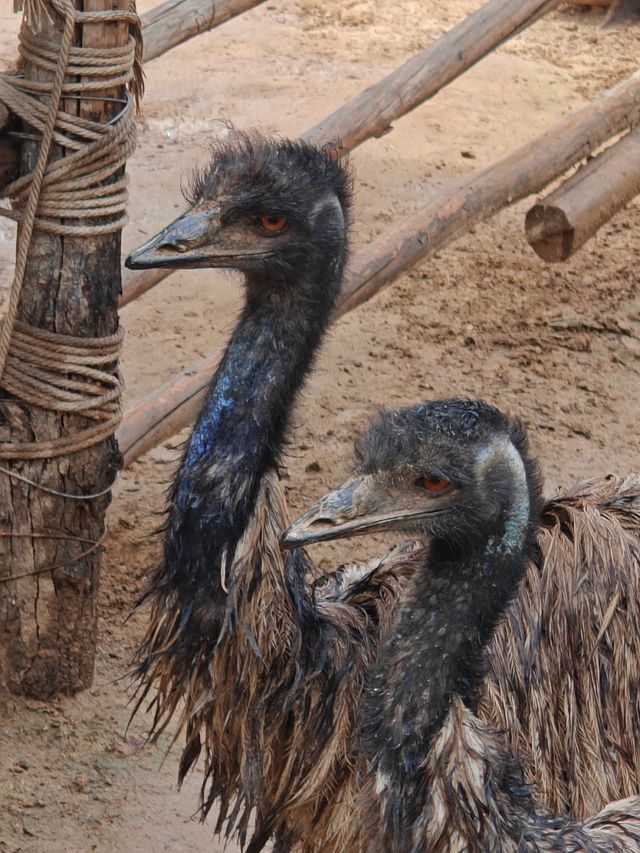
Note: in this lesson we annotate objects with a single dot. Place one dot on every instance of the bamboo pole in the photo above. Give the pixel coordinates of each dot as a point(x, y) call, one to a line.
point(71, 285)
point(449, 215)
point(176, 21)
point(560, 224)
point(371, 112)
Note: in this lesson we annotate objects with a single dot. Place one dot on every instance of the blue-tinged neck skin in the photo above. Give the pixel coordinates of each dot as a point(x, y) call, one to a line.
point(240, 429)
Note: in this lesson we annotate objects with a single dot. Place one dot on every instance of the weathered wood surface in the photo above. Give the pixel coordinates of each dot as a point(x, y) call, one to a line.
point(135, 284)
point(48, 620)
point(526, 170)
point(177, 21)
point(559, 225)
point(9, 150)
point(449, 215)
point(9, 161)
point(370, 113)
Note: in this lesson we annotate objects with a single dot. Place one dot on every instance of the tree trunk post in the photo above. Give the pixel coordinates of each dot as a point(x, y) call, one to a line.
point(49, 543)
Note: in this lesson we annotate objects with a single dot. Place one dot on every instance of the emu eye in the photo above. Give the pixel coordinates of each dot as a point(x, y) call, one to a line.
point(432, 484)
point(272, 223)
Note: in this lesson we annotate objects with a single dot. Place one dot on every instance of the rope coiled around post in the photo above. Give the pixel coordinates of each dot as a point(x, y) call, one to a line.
point(84, 193)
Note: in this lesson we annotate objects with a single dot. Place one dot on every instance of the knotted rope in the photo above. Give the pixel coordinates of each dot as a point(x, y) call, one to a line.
point(76, 195)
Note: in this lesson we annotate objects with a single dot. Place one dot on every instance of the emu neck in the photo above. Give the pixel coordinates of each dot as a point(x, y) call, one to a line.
point(435, 653)
point(240, 430)
point(236, 441)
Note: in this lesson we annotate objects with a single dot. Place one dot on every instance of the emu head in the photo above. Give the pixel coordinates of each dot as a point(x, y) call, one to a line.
point(453, 470)
point(267, 207)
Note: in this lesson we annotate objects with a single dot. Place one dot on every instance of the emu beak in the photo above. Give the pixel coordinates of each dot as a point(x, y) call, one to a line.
point(195, 239)
point(355, 508)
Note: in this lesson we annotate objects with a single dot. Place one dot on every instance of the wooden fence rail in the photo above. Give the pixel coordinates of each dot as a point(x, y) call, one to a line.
point(176, 21)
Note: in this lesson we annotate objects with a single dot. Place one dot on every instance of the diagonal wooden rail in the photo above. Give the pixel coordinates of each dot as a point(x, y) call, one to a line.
point(451, 213)
point(371, 112)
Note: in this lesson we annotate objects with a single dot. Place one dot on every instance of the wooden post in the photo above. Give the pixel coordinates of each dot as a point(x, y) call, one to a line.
point(451, 213)
point(48, 618)
point(560, 224)
point(164, 27)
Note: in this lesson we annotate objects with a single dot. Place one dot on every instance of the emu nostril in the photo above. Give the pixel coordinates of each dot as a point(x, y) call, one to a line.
point(321, 521)
point(176, 246)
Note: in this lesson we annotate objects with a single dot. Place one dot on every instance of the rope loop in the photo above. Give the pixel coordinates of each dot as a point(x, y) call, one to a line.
point(83, 193)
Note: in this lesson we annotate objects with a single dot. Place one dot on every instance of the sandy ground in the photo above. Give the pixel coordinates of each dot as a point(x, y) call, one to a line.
point(558, 345)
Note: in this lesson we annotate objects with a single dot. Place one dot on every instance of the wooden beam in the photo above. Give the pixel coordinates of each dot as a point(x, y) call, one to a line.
point(560, 224)
point(525, 171)
point(165, 411)
point(71, 286)
point(370, 113)
point(449, 215)
point(135, 284)
point(176, 21)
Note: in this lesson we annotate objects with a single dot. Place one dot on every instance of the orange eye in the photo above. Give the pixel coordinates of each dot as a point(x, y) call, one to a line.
point(432, 484)
point(273, 223)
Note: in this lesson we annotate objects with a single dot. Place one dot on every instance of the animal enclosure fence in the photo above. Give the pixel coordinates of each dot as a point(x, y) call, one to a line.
point(451, 213)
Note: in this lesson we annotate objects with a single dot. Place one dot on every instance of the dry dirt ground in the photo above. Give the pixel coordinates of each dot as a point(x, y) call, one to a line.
point(558, 345)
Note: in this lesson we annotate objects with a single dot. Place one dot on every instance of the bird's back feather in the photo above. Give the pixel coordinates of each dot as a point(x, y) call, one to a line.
point(563, 666)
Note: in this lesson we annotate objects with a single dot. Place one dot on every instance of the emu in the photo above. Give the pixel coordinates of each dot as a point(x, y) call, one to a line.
point(458, 474)
point(262, 667)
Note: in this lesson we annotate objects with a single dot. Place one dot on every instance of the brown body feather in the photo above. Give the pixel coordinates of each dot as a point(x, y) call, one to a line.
point(433, 776)
point(471, 810)
point(299, 757)
point(562, 680)
point(564, 665)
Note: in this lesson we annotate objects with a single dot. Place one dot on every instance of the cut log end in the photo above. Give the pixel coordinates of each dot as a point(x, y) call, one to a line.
point(562, 223)
point(549, 233)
